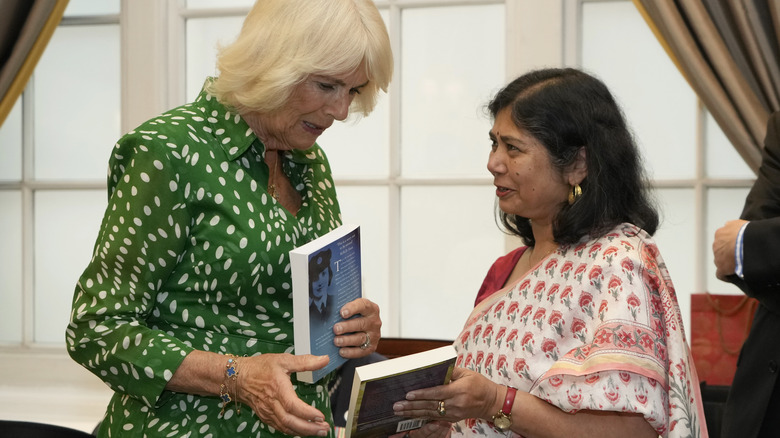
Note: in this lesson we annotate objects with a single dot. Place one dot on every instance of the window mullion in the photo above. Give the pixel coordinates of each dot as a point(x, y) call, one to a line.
point(28, 216)
point(145, 60)
point(176, 43)
point(394, 190)
point(701, 190)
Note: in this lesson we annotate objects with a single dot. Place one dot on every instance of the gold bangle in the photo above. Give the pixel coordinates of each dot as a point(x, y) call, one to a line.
point(231, 382)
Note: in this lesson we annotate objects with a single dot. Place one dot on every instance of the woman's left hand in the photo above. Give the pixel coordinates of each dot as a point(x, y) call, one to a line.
point(468, 395)
point(359, 336)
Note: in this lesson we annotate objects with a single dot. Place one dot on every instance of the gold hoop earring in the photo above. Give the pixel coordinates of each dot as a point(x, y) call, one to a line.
point(575, 194)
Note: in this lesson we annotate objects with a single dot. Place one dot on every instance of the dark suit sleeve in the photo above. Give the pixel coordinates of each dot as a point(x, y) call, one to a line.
point(762, 236)
point(763, 201)
point(762, 261)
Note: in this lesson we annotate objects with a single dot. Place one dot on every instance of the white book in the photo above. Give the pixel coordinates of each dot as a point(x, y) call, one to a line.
point(326, 274)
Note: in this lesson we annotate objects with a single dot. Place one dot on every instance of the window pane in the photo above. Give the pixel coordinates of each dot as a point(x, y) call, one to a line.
point(360, 147)
point(204, 36)
point(722, 205)
point(369, 208)
point(77, 103)
point(676, 238)
point(619, 47)
point(66, 226)
point(723, 161)
point(452, 61)
point(91, 7)
point(11, 145)
point(195, 4)
point(447, 247)
point(11, 267)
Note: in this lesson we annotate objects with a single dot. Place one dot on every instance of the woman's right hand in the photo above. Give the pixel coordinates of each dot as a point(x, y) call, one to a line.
point(265, 386)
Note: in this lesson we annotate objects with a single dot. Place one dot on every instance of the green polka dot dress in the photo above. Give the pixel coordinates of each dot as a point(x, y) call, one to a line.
point(193, 254)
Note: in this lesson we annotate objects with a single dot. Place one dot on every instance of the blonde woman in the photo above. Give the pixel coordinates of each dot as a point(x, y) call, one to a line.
point(185, 309)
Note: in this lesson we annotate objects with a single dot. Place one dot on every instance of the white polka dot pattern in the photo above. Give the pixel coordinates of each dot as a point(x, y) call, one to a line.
point(192, 254)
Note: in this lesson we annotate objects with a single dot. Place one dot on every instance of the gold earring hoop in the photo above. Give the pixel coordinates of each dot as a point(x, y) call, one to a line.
point(575, 194)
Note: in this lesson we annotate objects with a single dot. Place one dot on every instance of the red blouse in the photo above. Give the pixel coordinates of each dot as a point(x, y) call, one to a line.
point(499, 273)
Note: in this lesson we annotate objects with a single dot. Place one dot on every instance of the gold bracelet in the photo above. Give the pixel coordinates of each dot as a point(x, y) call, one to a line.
point(231, 382)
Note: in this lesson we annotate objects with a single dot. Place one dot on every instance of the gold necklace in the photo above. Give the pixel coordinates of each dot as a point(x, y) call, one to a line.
point(271, 184)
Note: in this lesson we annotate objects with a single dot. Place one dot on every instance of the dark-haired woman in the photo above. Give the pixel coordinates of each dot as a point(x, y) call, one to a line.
point(577, 333)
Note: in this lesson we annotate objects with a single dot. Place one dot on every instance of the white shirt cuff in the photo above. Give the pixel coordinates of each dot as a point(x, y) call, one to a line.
point(739, 253)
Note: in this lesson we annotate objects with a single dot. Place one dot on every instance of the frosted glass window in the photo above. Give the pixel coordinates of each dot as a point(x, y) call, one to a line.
point(11, 145)
point(723, 205)
point(200, 4)
point(676, 239)
point(619, 48)
point(77, 103)
point(369, 208)
point(204, 36)
point(452, 62)
point(11, 267)
point(91, 7)
point(449, 240)
point(66, 226)
point(360, 147)
point(723, 161)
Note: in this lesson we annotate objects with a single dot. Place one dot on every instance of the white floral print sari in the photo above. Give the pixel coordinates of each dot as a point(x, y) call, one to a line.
point(593, 326)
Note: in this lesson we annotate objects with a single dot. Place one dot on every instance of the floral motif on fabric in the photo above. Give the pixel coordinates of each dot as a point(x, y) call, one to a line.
point(594, 326)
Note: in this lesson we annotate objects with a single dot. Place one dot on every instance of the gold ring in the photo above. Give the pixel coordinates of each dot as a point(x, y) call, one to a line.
point(441, 409)
point(366, 344)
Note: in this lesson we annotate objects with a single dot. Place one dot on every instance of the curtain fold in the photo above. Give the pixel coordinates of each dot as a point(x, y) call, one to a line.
point(729, 52)
point(26, 26)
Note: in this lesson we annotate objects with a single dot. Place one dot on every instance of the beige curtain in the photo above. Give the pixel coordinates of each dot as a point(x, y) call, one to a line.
point(25, 28)
point(728, 52)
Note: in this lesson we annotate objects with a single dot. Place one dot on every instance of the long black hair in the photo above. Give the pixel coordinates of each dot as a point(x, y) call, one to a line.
point(565, 110)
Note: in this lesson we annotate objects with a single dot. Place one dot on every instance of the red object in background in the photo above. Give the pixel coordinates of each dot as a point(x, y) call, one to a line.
point(719, 326)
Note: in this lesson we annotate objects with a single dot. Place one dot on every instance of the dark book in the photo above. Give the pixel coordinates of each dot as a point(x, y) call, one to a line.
point(326, 274)
point(377, 386)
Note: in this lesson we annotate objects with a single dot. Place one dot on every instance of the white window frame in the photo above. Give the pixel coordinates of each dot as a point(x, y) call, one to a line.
point(538, 33)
